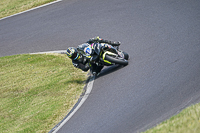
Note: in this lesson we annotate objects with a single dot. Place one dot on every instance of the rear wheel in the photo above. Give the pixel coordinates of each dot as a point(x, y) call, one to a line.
point(116, 60)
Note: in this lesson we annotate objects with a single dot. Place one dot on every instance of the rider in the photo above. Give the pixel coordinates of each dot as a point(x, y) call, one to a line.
point(84, 63)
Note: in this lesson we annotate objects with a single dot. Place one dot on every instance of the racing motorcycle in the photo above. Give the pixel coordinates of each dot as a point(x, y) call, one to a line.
point(103, 54)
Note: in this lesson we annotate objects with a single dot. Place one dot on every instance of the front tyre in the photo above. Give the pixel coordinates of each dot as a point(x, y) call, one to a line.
point(116, 60)
point(126, 56)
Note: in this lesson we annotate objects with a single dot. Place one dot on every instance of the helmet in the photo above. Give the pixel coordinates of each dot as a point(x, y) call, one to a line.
point(73, 53)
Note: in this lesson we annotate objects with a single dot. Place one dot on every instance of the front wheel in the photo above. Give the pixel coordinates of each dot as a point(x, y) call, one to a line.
point(116, 60)
point(126, 56)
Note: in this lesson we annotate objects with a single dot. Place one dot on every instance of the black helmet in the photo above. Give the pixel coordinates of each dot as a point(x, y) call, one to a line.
point(73, 53)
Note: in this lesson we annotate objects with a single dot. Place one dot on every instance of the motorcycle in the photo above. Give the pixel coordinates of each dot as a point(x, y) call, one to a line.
point(103, 54)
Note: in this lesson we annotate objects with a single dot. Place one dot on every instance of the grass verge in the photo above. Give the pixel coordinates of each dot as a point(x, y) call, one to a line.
point(10, 7)
point(37, 91)
point(187, 121)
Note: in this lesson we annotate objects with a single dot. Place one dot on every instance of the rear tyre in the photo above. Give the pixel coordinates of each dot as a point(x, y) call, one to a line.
point(116, 60)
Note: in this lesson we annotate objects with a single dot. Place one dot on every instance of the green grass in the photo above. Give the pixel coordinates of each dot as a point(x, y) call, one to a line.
point(10, 7)
point(187, 121)
point(37, 91)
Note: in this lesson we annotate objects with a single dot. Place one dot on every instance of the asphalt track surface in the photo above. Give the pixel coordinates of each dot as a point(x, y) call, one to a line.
point(161, 37)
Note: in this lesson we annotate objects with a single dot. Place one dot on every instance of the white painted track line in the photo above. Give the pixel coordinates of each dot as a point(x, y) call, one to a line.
point(88, 90)
point(58, 51)
point(32, 9)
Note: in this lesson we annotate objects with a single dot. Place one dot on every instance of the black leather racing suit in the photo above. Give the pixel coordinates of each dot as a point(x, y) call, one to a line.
point(84, 64)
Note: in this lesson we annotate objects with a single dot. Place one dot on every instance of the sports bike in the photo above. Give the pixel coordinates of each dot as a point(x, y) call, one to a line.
point(103, 54)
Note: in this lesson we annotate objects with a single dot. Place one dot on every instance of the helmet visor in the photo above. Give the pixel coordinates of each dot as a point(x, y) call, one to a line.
point(75, 56)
